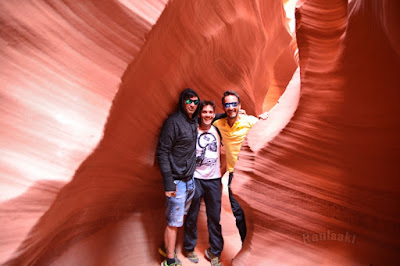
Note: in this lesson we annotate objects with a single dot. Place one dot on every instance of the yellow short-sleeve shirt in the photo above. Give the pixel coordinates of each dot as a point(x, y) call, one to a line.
point(232, 137)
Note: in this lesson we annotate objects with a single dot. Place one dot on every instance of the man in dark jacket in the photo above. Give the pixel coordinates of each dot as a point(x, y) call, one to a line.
point(176, 156)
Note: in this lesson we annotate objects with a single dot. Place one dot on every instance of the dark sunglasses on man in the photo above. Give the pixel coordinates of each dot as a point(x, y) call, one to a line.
point(189, 101)
point(233, 104)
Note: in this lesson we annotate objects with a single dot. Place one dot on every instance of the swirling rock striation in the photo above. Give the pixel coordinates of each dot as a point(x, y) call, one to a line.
point(324, 191)
point(210, 46)
point(62, 63)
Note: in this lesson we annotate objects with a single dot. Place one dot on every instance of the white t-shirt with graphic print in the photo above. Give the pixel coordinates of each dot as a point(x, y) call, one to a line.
point(207, 154)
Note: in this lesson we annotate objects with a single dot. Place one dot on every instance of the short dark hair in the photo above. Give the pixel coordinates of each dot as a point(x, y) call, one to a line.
point(227, 93)
point(205, 103)
point(188, 93)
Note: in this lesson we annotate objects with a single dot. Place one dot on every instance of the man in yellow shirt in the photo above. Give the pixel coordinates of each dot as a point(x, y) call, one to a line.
point(234, 128)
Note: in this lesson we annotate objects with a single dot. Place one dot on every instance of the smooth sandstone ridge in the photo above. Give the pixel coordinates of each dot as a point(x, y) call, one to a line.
point(86, 86)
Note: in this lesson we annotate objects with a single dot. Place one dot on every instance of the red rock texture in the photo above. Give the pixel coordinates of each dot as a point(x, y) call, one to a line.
point(334, 167)
point(324, 163)
point(62, 63)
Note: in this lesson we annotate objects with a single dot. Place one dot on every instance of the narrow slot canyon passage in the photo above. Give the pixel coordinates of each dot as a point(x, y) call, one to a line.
point(87, 85)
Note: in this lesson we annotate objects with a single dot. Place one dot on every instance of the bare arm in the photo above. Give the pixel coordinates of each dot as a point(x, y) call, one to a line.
point(170, 194)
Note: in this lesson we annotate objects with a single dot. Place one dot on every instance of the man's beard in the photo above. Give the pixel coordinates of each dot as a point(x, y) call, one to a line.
point(235, 114)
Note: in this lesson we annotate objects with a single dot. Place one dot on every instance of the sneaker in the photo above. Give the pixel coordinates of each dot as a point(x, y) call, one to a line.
point(163, 252)
point(215, 260)
point(192, 256)
point(176, 263)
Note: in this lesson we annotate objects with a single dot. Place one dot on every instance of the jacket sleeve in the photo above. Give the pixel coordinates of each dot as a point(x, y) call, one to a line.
point(165, 144)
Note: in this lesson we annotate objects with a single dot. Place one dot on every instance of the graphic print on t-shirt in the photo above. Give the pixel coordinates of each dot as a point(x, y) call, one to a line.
point(207, 142)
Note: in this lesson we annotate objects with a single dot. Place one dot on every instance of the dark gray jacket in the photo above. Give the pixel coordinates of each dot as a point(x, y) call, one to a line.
point(176, 152)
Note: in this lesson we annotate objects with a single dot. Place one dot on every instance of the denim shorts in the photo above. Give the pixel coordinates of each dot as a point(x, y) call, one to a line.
point(177, 207)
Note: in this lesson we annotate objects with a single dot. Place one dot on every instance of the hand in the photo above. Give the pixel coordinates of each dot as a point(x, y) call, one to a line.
point(263, 116)
point(170, 194)
point(242, 112)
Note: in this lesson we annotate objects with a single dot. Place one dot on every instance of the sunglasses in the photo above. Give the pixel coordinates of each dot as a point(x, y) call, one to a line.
point(233, 104)
point(189, 101)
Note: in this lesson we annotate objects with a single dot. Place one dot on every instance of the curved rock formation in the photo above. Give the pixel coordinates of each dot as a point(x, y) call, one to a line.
point(210, 46)
point(321, 191)
point(325, 191)
point(62, 63)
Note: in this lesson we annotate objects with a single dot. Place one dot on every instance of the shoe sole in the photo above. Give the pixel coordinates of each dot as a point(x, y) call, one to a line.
point(209, 257)
point(164, 255)
point(193, 260)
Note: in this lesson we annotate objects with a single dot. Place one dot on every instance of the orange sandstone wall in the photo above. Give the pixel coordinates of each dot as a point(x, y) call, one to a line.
point(76, 191)
point(116, 191)
point(61, 65)
point(325, 191)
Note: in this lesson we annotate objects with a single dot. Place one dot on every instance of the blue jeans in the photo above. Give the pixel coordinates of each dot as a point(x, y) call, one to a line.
point(177, 207)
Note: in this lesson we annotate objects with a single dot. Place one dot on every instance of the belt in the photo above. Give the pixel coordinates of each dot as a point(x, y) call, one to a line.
point(186, 179)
